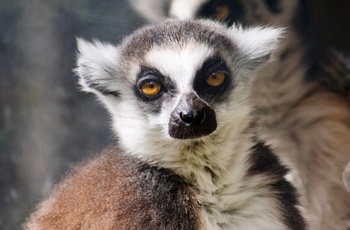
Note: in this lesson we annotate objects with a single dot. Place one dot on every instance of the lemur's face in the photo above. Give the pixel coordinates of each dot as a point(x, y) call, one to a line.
point(174, 82)
point(182, 87)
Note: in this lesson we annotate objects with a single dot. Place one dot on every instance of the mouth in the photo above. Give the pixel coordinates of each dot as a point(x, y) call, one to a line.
point(189, 132)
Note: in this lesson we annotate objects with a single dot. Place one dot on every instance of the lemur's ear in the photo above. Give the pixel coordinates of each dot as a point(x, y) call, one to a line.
point(96, 67)
point(256, 44)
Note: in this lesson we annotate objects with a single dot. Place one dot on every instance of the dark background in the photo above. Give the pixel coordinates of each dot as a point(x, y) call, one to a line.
point(46, 124)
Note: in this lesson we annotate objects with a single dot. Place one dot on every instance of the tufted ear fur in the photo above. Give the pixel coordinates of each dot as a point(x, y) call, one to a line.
point(255, 44)
point(96, 67)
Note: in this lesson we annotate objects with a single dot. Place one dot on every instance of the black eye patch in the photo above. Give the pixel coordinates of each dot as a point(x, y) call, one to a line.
point(151, 76)
point(209, 92)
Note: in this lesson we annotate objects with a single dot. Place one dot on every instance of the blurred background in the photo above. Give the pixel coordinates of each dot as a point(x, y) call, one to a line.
point(46, 124)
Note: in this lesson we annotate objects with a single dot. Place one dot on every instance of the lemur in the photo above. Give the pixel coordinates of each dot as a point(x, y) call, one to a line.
point(302, 113)
point(178, 94)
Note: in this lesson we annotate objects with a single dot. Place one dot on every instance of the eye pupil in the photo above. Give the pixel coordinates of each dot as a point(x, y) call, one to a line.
point(216, 79)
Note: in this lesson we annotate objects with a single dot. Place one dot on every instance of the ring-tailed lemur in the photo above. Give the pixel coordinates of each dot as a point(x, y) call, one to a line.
point(178, 93)
point(300, 112)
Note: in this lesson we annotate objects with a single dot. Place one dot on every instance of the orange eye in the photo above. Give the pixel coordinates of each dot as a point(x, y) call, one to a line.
point(221, 12)
point(215, 79)
point(150, 88)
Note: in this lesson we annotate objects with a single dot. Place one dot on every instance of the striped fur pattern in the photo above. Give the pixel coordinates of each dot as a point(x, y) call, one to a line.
point(159, 179)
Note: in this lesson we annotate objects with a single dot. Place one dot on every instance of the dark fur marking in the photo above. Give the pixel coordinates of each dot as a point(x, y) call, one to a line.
point(273, 6)
point(153, 104)
point(236, 11)
point(263, 161)
point(152, 74)
point(169, 198)
point(207, 92)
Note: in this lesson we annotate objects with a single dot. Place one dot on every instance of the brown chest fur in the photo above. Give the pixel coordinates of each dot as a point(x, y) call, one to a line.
point(117, 192)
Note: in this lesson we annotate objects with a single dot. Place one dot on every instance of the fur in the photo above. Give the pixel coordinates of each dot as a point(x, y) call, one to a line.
point(224, 180)
point(346, 177)
point(114, 191)
point(306, 122)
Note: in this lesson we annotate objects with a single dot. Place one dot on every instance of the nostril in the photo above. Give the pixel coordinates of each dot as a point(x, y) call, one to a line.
point(187, 117)
point(193, 117)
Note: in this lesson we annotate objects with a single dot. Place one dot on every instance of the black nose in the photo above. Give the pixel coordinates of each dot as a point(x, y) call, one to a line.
point(193, 117)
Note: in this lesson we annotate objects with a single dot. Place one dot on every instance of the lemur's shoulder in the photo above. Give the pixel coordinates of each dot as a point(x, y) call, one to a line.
point(117, 192)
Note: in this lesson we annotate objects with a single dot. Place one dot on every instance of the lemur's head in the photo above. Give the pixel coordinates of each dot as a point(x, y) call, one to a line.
point(177, 82)
point(248, 12)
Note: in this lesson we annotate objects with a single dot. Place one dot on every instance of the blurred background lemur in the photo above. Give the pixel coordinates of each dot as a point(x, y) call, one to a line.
point(301, 100)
